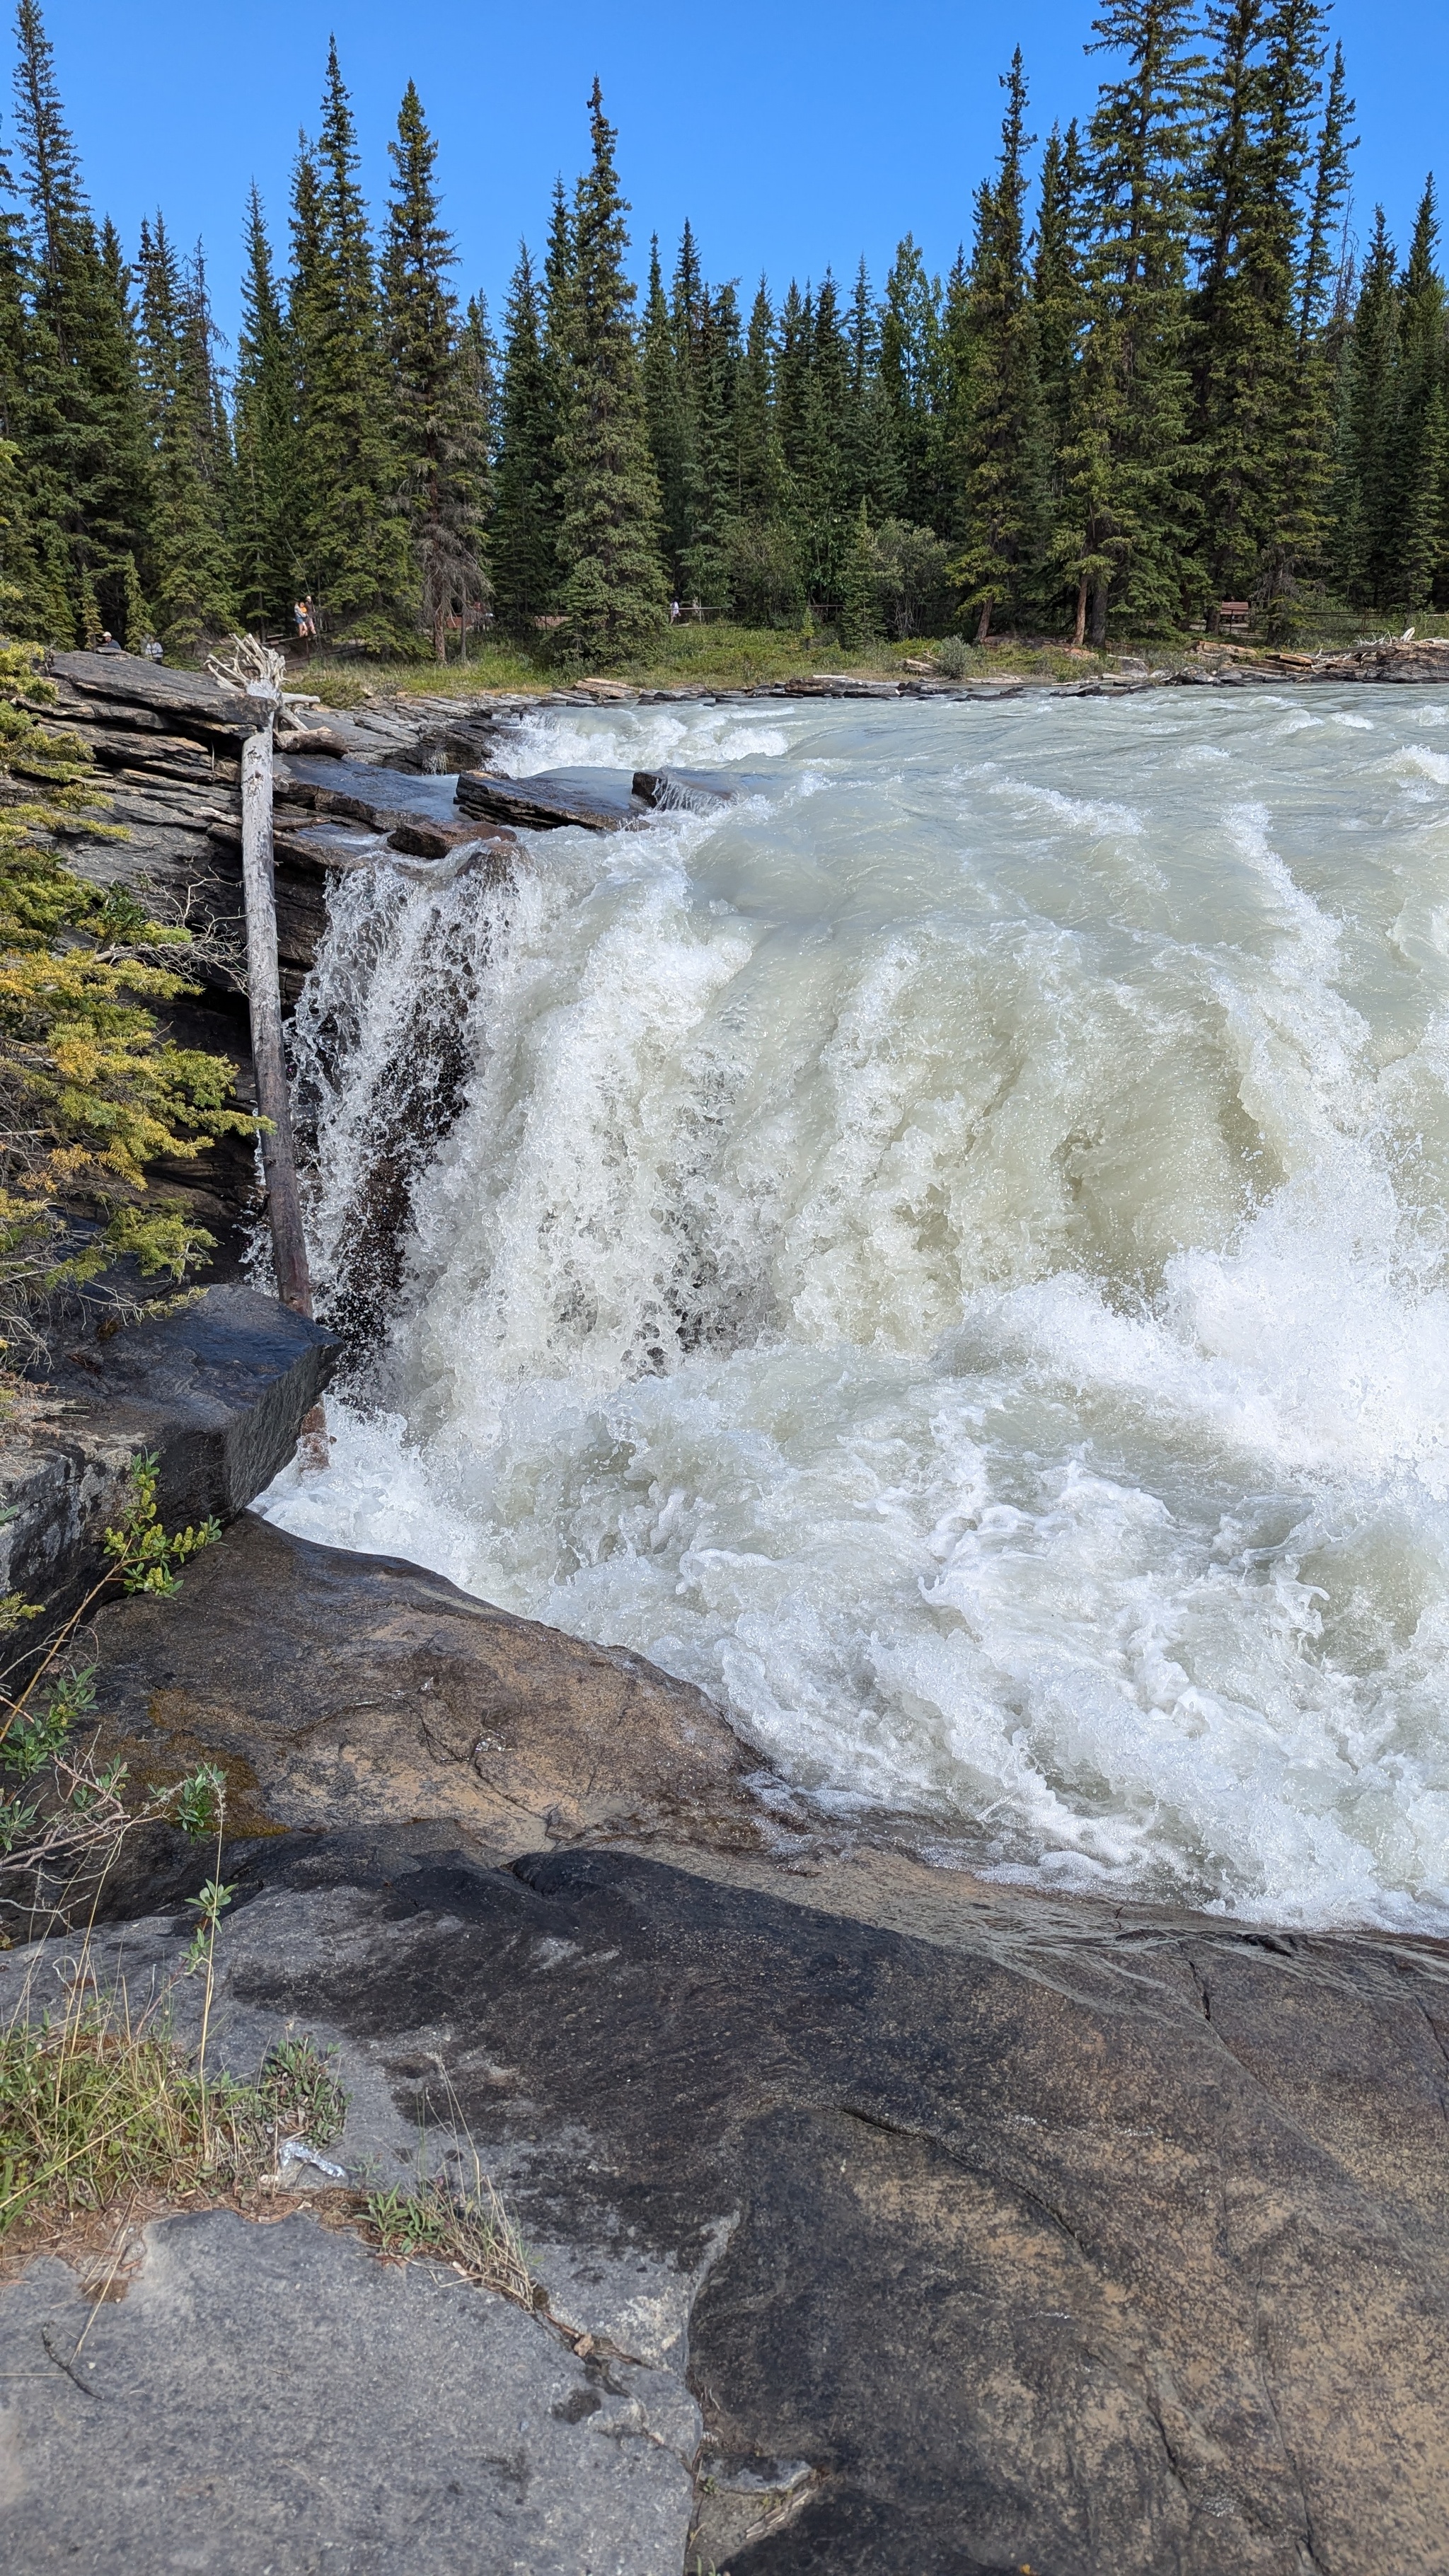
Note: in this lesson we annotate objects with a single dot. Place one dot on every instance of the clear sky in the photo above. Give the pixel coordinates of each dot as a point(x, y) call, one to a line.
point(795, 134)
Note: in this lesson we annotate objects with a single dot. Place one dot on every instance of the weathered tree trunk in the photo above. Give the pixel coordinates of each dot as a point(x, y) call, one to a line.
point(264, 994)
point(1079, 632)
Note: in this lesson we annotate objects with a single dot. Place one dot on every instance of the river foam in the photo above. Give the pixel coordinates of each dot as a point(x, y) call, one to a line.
point(949, 1253)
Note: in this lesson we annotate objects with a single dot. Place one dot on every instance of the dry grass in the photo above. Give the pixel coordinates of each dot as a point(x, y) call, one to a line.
point(105, 2117)
point(471, 2231)
point(97, 2107)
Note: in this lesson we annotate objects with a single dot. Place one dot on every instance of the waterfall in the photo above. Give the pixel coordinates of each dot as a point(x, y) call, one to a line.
point(947, 1251)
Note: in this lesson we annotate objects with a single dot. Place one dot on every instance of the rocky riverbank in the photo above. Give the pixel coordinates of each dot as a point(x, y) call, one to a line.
point(886, 2219)
point(883, 2219)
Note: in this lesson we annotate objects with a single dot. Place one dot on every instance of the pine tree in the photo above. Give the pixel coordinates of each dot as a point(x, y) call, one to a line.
point(524, 535)
point(1126, 511)
point(871, 465)
point(192, 577)
point(1006, 500)
point(857, 586)
point(354, 537)
point(83, 427)
point(667, 438)
point(706, 567)
point(1056, 280)
point(34, 566)
point(264, 543)
point(614, 592)
point(1307, 439)
point(1418, 467)
point(1366, 487)
point(1244, 356)
point(439, 434)
point(911, 374)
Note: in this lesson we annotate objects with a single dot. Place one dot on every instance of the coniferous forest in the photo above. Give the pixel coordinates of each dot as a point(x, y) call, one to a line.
point(1164, 371)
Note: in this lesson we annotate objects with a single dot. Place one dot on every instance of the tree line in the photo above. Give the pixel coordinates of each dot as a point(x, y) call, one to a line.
point(1158, 378)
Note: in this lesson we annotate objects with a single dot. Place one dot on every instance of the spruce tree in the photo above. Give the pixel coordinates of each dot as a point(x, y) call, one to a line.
point(822, 487)
point(1006, 498)
point(1308, 443)
point(354, 538)
point(667, 441)
point(83, 427)
point(911, 374)
point(192, 562)
point(857, 584)
point(953, 401)
point(766, 583)
point(760, 455)
point(440, 433)
point(688, 313)
point(264, 545)
point(706, 566)
point(34, 564)
point(1418, 472)
point(523, 543)
point(1366, 490)
point(1126, 508)
point(1257, 99)
point(614, 592)
point(1056, 279)
point(870, 463)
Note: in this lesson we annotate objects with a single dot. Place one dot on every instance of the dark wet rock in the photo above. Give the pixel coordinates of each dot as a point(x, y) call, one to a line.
point(1101, 2242)
point(697, 790)
point(597, 800)
point(1123, 2251)
point(429, 840)
point(360, 1690)
point(369, 794)
point(218, 1391)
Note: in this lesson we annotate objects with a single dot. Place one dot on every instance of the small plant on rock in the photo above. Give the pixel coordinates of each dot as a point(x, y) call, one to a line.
point(63, 1815)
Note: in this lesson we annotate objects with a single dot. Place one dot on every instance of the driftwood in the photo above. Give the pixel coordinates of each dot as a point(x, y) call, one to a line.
point(257, 672)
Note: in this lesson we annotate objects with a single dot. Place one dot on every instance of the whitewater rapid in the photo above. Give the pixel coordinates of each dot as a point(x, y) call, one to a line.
point(948, 1252)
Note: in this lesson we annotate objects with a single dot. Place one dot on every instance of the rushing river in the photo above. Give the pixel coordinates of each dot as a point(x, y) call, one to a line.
point(951, 1253)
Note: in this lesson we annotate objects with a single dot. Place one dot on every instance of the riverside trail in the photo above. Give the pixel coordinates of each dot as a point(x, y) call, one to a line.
point(947, 1252)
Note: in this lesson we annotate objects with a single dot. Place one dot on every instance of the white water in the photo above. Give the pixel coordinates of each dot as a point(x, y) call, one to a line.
point(950, 1254)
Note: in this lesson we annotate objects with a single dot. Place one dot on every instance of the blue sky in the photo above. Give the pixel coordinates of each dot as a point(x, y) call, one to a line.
point(793, 136)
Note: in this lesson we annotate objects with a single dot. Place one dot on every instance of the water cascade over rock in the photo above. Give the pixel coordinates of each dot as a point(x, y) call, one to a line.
point(945, 1251)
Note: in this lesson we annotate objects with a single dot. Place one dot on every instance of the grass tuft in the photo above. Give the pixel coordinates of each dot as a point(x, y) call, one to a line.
point(472, 2231)
point(94, 2107)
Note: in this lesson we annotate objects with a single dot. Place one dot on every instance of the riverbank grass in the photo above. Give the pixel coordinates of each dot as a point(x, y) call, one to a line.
point(688, 656)
point(721, 656)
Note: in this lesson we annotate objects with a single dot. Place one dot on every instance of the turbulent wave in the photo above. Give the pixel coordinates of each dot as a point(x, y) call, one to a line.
point(949, 1252)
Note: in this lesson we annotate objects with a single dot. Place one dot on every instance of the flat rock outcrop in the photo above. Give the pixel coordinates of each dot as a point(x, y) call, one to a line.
point(359, 1690)
point(1100, 2243)
point(368, 2418)
point(217, 1390)
point(698, 790)
point(594, 800)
